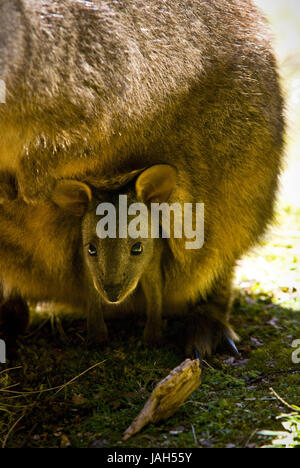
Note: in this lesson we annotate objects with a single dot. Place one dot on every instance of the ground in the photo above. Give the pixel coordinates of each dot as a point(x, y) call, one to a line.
point(52, 396)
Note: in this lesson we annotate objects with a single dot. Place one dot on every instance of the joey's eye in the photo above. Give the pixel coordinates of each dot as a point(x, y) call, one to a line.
point(137, 249)
point(93, 251)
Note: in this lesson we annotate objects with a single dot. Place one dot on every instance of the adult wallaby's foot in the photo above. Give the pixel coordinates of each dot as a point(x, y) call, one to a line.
point(208, 324)
point(14, 320)
point(14, 317)
point(205, 334)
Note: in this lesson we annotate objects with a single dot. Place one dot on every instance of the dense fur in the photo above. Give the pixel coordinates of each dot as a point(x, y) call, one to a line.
point(105, 86)
point(99, 88)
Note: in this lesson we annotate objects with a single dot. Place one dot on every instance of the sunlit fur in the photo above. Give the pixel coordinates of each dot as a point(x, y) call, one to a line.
point(106, 86)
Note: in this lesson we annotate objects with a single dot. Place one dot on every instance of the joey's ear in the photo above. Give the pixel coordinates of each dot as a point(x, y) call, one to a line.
point(72, 196)
point(156, 183)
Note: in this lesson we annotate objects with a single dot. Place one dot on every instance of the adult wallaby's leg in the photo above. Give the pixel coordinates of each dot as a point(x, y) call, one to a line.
point(208, 323)
point(14, 317)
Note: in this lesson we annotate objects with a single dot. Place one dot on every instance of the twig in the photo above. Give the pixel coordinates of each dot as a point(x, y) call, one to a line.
point(250, 438)
point(11, 430)
point(271, 373)
point(36, 330)
point(5, 410)
point(28, 436)
point(80, 375)
point(285, 403)
point(58, 388)
point(208, 365)
point(11, 386)
point(194, 434)
point(12, 368)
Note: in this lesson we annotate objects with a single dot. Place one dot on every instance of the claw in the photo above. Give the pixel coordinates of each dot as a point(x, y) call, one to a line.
point(198, 355)
point(232, 347)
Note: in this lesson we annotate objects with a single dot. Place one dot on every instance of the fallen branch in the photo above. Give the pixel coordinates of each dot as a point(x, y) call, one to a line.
point(168, 396)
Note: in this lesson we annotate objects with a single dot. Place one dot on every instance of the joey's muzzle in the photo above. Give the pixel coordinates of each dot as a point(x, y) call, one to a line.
point(113, 292)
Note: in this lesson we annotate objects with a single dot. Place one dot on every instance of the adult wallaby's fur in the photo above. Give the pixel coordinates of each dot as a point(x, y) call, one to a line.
point(109, 86)
point(99, 88)
point(41, 257)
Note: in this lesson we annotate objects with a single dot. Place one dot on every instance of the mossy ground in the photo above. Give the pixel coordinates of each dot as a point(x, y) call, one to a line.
point(233, 404)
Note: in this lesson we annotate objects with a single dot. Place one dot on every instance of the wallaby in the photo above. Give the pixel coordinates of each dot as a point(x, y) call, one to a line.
point(98, 89)
point(103, 87)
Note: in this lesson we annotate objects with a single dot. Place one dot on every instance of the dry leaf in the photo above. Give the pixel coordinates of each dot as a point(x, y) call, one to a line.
point(79, 400)
point(65, 442)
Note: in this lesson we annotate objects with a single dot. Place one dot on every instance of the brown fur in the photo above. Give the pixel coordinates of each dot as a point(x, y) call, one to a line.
point(95, 92)
point(41, 257)
point(102, 87)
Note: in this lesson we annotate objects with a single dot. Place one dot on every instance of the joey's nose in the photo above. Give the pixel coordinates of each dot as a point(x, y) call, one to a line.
point(113, 292)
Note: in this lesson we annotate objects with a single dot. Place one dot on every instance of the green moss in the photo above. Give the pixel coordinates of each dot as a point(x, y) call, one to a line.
point(232, 405)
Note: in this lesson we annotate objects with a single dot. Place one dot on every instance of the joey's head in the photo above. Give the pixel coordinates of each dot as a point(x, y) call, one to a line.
point(116, 234)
